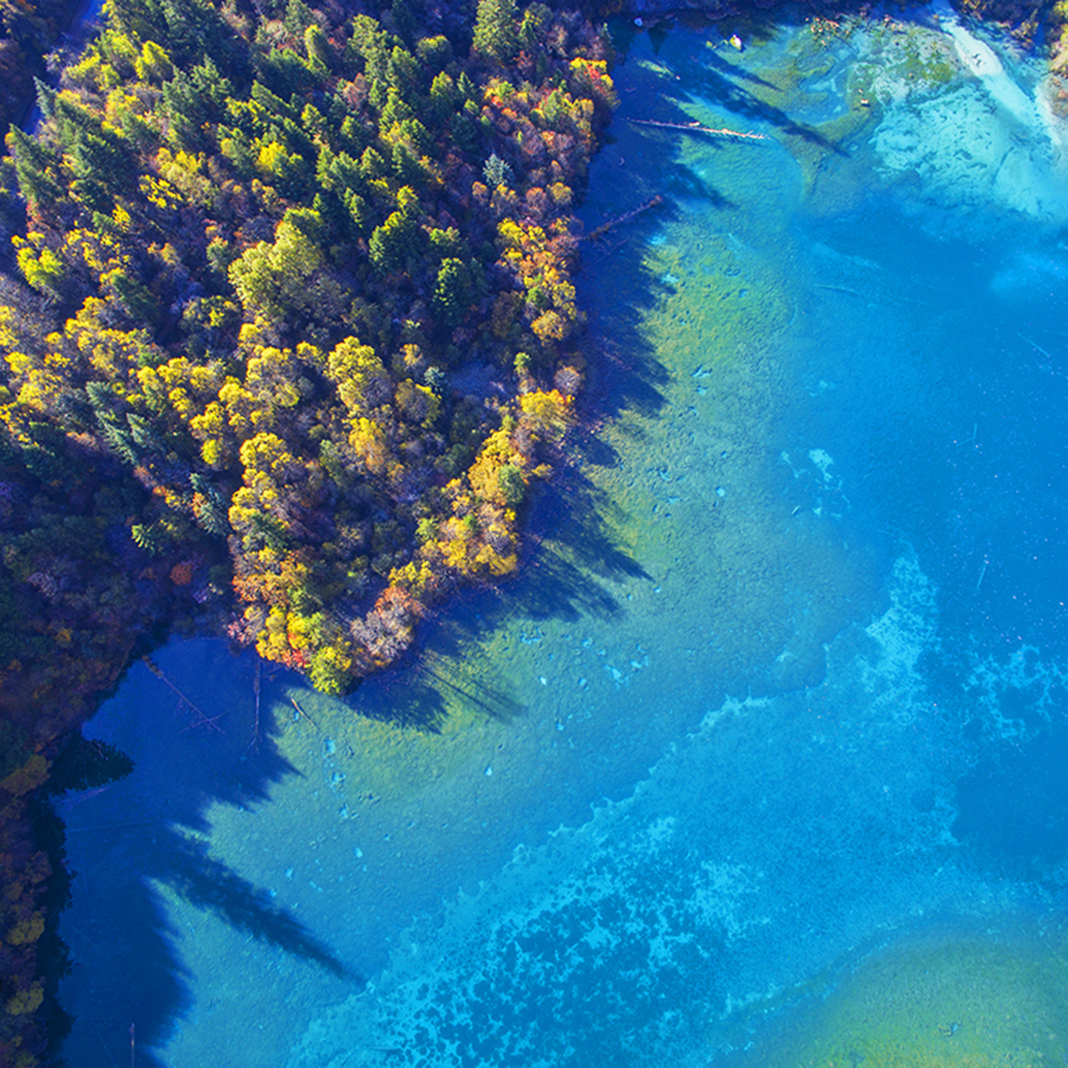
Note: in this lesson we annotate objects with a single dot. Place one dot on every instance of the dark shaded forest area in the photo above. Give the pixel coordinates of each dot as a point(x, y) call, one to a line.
point(29, 34)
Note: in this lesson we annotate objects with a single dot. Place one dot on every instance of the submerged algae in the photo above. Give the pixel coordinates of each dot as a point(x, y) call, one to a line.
point(946, 999)
point(903, 59)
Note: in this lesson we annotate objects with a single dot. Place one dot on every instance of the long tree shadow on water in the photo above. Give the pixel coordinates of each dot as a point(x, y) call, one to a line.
point(208, 884)
point(710, 75)
point(719, 87)
point(572, 568)
point(567, 573)
point(142, 874)
point(640, 163)
point(631, 201)
point(416, 692)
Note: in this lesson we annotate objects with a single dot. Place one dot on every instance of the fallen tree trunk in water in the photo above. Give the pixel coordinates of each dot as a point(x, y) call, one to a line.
point(696, 127)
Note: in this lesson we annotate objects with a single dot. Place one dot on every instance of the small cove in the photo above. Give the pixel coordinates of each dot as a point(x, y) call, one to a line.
point(705, 757)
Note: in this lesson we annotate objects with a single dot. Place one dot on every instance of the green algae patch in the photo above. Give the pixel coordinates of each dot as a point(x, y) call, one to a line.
point(903, 60)
point(977, 1001)
point(830, 173)
point(831, 86)
point(398, 756)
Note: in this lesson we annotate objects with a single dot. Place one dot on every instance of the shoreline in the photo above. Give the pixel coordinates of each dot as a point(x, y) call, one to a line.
point(445, 608)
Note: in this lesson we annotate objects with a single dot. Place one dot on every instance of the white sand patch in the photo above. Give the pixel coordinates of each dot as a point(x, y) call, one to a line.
point(903, 633)
point(979, 58)
point(991, 141)
point(822, 459)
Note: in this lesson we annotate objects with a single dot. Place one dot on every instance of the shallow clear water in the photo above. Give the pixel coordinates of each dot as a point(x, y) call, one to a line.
point(762, 760)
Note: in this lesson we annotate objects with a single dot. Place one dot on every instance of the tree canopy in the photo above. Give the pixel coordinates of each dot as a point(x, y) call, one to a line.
point(260, 347)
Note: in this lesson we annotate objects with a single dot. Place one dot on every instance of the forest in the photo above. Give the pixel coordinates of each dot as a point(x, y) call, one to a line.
point(288, 330)
point(293, 338)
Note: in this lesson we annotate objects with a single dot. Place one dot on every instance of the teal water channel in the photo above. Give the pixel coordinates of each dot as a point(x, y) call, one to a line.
point(763, 759)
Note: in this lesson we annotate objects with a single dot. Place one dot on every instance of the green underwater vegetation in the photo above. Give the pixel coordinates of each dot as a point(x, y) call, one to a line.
point(941, 999)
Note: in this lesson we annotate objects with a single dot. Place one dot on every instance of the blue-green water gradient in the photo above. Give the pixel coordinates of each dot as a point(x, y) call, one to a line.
point(762, 758)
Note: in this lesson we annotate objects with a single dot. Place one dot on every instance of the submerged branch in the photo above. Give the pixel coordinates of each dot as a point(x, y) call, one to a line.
point(696, 127)
point(209, 721)
point(603, 229)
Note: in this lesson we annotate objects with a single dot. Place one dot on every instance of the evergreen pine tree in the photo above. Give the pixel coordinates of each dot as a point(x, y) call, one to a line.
point(495, 30)
point(31, 168)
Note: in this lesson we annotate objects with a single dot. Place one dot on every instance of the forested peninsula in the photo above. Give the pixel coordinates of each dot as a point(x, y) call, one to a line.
point(288, 331)
point(294, 334)
point(289, 334)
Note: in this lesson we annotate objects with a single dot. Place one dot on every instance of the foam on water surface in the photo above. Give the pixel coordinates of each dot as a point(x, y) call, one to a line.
point(726, 745)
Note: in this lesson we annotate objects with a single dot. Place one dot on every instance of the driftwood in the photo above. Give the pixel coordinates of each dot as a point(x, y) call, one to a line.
point(625, 217)
point(839, 289)
point(209, 721)
point(696, 127)
point(303, 713)
point(254, 741)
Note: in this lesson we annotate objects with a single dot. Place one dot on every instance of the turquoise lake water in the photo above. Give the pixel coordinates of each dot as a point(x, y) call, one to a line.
point(763, 760)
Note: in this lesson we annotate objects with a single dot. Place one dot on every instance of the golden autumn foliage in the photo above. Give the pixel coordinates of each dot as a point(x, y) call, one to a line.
point(26, 931)
point(264, 262)
point(260, 271)
point(26, 1000)
point(547, 413)
point(27, 777)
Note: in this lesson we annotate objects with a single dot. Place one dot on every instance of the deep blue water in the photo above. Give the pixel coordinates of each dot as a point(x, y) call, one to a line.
point(764, 758)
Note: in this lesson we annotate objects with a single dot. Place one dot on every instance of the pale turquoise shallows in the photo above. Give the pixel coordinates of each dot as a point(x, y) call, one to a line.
point(762, 759)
